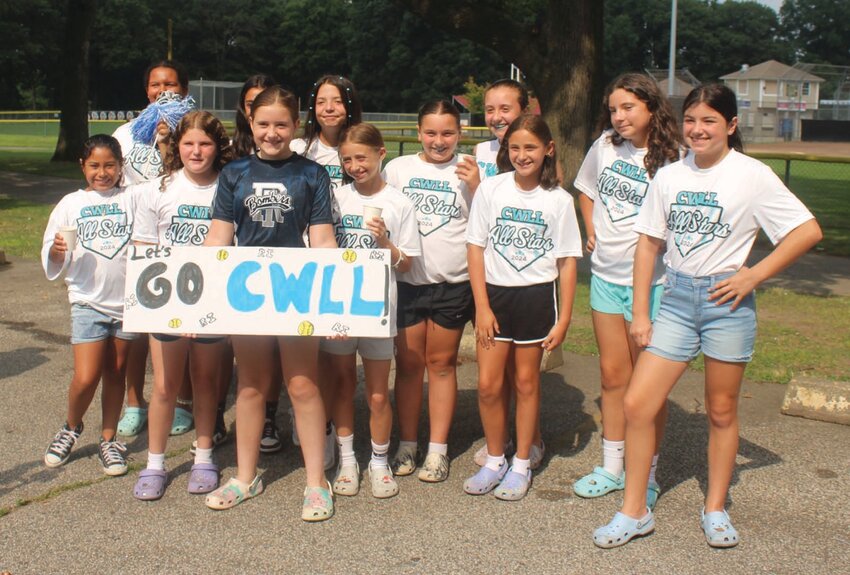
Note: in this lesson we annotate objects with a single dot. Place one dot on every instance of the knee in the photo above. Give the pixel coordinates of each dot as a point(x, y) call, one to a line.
point(635, 411)
point(526, 387)
point(442, 364)
point(722, 414)
point(613, 378)
point(302, 389)
point(378, 401)
point(490, 391)
point(408, 362)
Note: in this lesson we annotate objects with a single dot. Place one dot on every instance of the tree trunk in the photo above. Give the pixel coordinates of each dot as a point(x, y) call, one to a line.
point(560, 52)
point(73, 122)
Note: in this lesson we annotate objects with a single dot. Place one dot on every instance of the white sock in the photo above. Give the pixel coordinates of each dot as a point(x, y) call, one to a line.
point(346, 449)
point(203, 455)
point(156, 461)
point(520, 465)
point(613, 456)
point(652, 469)
point(379, 454)
point(407, 445)
point(494, 462)
point(441, 448)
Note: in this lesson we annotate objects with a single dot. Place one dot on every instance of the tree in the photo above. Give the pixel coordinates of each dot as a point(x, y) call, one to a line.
point(73, 123)
point(819, 30)
point(556, 43)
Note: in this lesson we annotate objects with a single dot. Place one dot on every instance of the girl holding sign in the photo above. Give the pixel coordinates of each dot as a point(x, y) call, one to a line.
point(269, 199)
point(175, 211)
point(371, 214)
point(86, 238)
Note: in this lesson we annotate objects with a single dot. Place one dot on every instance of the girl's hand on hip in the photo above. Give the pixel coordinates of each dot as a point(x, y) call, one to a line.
point(734, 288)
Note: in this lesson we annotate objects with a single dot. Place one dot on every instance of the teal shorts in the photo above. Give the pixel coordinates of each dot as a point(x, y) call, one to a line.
point(606, 297)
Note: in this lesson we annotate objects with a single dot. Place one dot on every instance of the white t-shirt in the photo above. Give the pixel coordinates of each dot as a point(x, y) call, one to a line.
point(327, 156)
point(95, 270)
point(142, 162)
point(710, 217)
point(615, 178)
point(399, 216)
point(485, 156)
point(442, 204)
point(180, 215)
point(522, 233)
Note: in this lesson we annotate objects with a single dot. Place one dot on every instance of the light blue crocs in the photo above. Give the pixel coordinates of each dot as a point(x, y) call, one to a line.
point(485, 480)
point(623, 529)
point(653, 490)
point(182, 422)
point(514, 486)
point(718, 529)
point(132, 421)
point(598, 482)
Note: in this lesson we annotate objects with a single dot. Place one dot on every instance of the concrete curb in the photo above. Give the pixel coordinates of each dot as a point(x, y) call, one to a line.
point(820, 400)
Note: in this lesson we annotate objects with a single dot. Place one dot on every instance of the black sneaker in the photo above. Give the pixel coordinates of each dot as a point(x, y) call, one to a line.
point(219, 436)
point(111, 454)
point(60, 448)
point(270, 441)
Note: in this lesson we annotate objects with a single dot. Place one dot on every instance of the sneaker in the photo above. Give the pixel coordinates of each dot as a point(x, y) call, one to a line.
point(295, 440)
point(435, 468)
point(404, 461)
point(111, 454)
point(480, 456)
point(383, 483)
point(270, 441)
point(330, 448)
point(219, 436)
point(347, 481)
point(536, 455)
point(318, 503)
point(59, 450)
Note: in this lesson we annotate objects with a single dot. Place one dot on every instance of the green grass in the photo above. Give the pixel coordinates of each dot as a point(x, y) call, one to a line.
point(38, 162)
point(22, 225)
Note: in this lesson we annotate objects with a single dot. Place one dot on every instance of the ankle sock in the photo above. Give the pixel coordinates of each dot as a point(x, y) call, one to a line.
point(613, 456)
point(441, 448)
point(156, 461)
point(346, 449)
point(379, 454)
point(520, 465)
point(652, 469)
point(203, 455)
point(494, 462)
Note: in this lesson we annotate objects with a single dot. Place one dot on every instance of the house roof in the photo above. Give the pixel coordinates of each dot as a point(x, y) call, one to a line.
point(771, 70)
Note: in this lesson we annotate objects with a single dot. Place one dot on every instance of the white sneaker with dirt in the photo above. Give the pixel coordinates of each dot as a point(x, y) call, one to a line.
point(112, 458)
point(59, 450)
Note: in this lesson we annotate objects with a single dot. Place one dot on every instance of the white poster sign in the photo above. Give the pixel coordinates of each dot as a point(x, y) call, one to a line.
point(261, 291)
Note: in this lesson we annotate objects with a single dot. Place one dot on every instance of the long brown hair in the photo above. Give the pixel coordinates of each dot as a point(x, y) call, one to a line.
point(540, 129)
point(663, 141)
point(350, 101)
point(208, 124)
point(721, 98)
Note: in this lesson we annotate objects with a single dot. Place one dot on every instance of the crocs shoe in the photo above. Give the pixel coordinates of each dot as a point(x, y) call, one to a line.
point(133, 421)
point(347, 481)
point(182, 422)
point(151, 484)
point(112, 458)
point(435, 468)
point(486, 480)
point(536, 455)
point(59, 450)
point(598, 483)
point(480, 456)
point(653, 490)
point(318, 503)
point(203, 478)
point(233, 493)
point(404, 461)
point(718, 529)
point(623, 529)
point(514, 486)
point(383, 483)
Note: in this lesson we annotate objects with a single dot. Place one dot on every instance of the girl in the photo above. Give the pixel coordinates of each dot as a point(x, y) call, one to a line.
point(243, 140)
point(143, 162)
point(175, 211)
point(296, 197)
point(639, 136)
point(522, 236)
point(333, 106)
point(435, 300)
point(708, 209)
point(97, 223)
point(395, 229)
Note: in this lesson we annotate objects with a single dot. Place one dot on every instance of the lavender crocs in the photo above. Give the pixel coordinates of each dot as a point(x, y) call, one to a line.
point(203, 478)
point(485, 480)
point(151, 485)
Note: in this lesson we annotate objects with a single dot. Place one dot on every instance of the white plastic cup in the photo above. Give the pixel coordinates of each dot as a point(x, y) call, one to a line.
point(69, 234)
point(370, 212)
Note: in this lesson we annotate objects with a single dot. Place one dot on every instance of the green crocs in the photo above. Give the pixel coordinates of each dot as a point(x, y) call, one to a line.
point(598, 483)
point(182, 422)
point(133, 421)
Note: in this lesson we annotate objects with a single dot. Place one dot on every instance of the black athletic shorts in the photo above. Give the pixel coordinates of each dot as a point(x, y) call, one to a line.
point(448, 305)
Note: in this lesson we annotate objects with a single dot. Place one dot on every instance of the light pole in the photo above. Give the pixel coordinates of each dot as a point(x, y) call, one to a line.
point(671, 73)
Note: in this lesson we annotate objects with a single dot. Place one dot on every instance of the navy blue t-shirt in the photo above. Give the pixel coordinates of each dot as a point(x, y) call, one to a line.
point(272, 202)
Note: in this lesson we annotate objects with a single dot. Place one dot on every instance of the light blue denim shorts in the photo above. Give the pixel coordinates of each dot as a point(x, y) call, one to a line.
point(88, 325)
point(688, 323)
point(607, 297)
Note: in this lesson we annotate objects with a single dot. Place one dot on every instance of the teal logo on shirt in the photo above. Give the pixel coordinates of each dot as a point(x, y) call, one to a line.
point(519, 236)
point(622, 189)
point(104, 229)
point(435, 202)
point(695, 222)
point(190, 226)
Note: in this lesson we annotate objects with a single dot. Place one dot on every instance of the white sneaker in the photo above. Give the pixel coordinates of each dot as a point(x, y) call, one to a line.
point(330, 448)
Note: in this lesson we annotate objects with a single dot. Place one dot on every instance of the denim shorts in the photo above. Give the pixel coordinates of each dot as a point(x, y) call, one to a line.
point(374, 348)
point(688, 323)
point(88, 325)
point(607, 297)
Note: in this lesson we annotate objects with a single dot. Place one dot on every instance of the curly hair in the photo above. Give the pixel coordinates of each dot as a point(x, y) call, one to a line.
point(663, 141)
point(212, 127)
